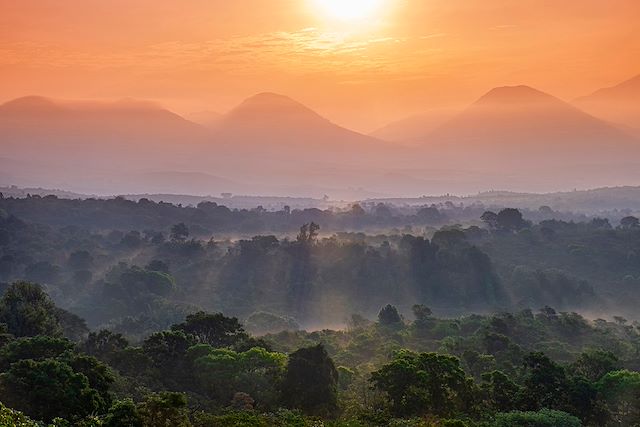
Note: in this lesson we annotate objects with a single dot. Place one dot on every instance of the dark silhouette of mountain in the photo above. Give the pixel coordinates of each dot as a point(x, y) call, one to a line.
point(618, 104)
point(514, 127)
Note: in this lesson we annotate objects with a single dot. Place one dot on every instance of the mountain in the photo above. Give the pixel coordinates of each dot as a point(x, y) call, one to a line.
point(90, 145)
point(269, 141)
point(272, 126)
point(517, 127)
point(415, 129)
point(55, 130)
point(618, 104)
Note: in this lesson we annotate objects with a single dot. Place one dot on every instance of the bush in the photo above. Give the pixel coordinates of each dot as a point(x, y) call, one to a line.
point(542, 418)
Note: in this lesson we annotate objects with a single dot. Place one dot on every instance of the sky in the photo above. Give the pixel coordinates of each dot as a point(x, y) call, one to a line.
point(404, 57)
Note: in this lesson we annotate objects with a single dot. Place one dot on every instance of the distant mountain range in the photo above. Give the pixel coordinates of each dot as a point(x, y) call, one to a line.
point(521, 127)
point(512, 137)
point(618, 104)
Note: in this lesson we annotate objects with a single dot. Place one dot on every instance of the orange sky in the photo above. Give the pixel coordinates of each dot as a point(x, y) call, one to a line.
point(194, 55)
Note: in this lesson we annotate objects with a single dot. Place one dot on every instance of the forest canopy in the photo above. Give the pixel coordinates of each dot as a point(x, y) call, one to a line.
point(419, 319)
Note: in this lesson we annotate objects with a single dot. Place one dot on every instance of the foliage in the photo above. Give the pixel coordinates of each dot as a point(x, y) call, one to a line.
point(123, 413)
point(12, 418)
point(422, 383)
point(165, 409)
point(213, 329)
point(311, 381)
point(542, 418)
point(48, 389)
point(28, 311)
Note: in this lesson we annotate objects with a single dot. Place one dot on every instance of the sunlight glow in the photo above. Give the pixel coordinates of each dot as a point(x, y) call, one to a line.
point(349, 10)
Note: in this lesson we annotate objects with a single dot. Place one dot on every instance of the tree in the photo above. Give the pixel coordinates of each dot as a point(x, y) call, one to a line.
point(11, 418)
point(167, 351)
point(123, 413)
point(73, 326)
point(47, 389)
point(311, 382)
point(98, 374)
point(491, 219)
point(542, 418)
point(179, 232)
point(500, 391)
point(545, 383)
point(422, 313)
point(629, 222)
point(388, 315)
point(28, 311)
point(221, 373)
point(105, 345)
point(165, 409)
point(308, 233)
point(35, 348)
point(510, 219)
point(422, 383)
point(594, 364)
point(213, 329)
point(621, 391)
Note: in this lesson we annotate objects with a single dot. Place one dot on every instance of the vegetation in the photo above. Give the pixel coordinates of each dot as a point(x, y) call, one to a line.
point(164, 344)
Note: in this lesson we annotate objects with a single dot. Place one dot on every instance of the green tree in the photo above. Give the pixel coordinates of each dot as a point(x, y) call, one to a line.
point(28, 311)
point(12, 418)
point(105, 345)
point(36, 348)
point(213, 329)
point(594, 364)
point(311, 382)
point(47, 389)
point(123, 413)
point(165, 409)
point(621, 391)
point(542, 418)
point(501, 392)
point(98, 374)
point(167, 351)
point(223, 372)
point(422, 383)
point(545, 384)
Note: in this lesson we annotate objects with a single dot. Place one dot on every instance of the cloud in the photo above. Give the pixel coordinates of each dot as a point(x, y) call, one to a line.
point(306, 50)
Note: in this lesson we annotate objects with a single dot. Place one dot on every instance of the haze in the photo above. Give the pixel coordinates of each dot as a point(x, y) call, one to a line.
point(375, 84)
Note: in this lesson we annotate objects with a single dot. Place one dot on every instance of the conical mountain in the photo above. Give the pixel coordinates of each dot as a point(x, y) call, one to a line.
point(517, 125)
point(269, 123)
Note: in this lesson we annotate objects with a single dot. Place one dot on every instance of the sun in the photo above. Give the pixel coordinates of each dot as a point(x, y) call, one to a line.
point(349, 10)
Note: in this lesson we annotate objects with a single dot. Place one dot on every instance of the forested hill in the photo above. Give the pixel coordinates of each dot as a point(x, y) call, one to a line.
point(207, 218)
point(152, 274)
point(115, 312)
point(540, 369)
